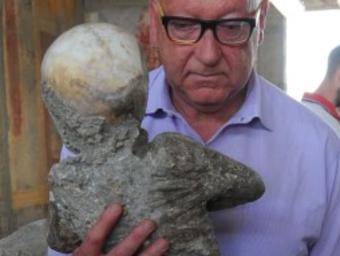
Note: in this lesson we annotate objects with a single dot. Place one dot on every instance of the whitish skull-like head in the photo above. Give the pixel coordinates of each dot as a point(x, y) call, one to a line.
point(92, 76)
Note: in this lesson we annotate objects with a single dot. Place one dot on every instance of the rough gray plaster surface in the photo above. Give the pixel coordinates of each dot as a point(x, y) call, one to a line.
point(171, 180)
point(29, 240)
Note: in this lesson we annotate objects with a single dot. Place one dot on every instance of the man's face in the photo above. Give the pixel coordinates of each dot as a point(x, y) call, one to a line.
point(207, 74)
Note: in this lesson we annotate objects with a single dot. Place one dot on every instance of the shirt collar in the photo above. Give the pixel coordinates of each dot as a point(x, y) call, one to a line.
point(159, 96)
point(323, 102)
point(254, 108)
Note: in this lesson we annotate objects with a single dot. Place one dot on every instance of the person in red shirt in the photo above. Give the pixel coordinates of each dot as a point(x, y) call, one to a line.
point(325, 101)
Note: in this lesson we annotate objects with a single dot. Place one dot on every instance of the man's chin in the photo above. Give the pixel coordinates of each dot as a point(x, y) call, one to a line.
point(209, 106)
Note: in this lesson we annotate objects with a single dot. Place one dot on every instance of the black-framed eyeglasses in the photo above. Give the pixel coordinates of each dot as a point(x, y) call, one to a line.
point(188, 31)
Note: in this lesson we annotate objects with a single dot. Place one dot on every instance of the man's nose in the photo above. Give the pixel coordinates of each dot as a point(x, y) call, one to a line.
point(208, 49)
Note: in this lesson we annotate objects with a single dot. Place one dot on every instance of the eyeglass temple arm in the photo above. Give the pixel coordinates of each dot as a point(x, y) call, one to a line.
point(158, 7)
point(258, 8)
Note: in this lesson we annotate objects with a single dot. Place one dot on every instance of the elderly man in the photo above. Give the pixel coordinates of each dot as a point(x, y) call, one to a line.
point(207, 89)
point(325, 101)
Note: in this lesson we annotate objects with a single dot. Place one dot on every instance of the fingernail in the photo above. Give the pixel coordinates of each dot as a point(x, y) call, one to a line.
point(163, 245)
point(148, 225)
point(115, 207)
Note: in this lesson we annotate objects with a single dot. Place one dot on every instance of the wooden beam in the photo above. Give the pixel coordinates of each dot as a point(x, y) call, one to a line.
point(315, 5)
point(29, 143)
point(6, 222)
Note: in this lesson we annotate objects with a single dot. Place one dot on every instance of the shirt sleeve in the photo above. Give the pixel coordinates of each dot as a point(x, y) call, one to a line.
point(65, 152)
point(329, 240)
point(51, 252)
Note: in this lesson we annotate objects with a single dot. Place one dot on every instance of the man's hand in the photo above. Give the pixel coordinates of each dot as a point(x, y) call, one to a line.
point(95, 238)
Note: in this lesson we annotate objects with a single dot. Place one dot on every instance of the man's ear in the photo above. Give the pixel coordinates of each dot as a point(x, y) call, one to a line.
point(153, 23)
point(263, 19)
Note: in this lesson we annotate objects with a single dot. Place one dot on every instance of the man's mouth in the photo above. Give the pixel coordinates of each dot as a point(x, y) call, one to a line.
point(206, 76)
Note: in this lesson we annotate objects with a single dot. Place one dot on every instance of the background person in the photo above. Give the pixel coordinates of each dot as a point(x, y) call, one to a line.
point(325, 101)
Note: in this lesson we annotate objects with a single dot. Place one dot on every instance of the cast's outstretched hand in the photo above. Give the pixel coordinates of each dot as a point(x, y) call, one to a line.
point(95, 238)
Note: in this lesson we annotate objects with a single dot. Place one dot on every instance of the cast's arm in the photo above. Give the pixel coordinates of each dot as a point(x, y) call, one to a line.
point(64, 154)
point(96, 237)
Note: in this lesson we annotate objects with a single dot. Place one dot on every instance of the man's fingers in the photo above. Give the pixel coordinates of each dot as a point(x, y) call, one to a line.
point(134, 240)
point(157, 248)
point(96, 236)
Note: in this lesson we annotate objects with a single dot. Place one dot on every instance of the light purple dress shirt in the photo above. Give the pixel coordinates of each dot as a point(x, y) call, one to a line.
point(297, 156)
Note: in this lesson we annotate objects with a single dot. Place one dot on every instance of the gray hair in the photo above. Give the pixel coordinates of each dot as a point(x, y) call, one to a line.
point(333, 62)
point(252, 4)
